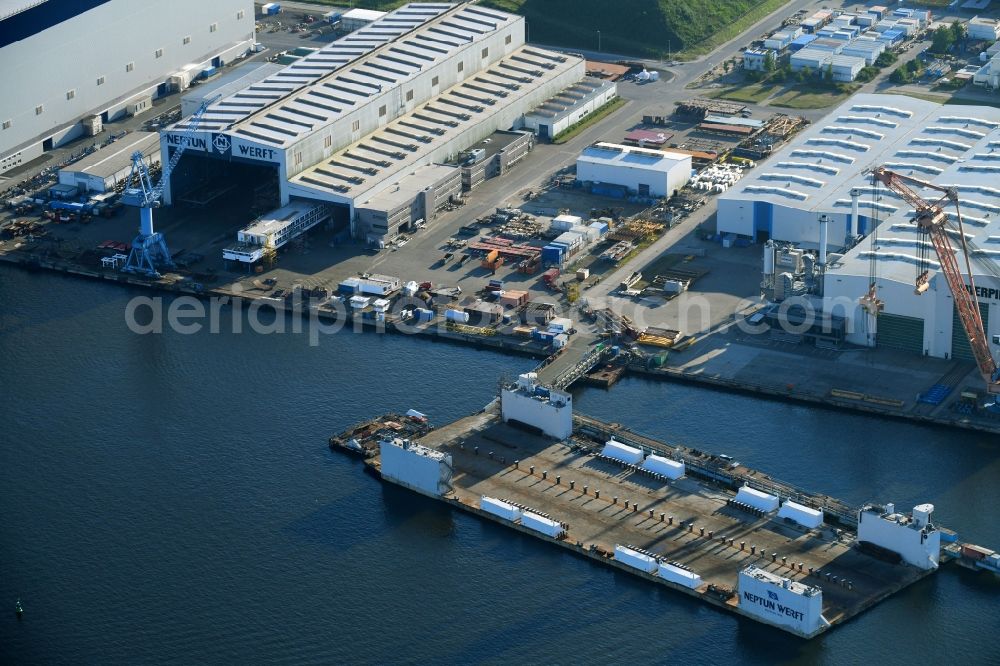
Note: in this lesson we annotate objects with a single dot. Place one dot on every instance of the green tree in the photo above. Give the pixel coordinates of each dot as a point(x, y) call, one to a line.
point(886, 58)
point(805, 74)
point(769, 62)
point(828, 74)
point(957, 31)
point(942, 40)
point(900, 75)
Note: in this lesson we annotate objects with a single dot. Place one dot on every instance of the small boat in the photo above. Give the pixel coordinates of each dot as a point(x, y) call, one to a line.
point(18, 608)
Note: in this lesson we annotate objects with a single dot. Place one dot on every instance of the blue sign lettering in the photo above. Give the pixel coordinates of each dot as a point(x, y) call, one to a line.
point(198, 143)
point(256, 153)
point(773, 606)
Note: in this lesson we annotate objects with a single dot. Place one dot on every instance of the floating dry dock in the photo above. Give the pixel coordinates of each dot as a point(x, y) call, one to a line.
point(701, 524)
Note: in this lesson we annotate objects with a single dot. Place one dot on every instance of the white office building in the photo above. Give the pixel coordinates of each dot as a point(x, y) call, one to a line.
point(643, 171)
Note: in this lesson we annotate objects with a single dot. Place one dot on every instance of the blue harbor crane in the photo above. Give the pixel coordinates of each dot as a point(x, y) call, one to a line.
point(149, 248)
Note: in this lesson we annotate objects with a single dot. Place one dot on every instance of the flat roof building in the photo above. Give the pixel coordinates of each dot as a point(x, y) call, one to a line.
point(569, 106)
point(647, 172)
point(105, 168)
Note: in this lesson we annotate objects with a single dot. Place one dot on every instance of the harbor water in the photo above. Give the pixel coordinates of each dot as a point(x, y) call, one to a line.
point(172, 498)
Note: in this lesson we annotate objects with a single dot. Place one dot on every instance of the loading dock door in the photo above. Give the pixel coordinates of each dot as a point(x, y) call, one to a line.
point(899, 332)
point(960, 348)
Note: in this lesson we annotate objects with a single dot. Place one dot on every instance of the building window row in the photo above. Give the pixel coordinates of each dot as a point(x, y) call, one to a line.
point(129, 66)
point(356, 126)
point(240, 14)
point(70, 94)
point(100, 80)
point(158, 53)
point(213, 27)
point(7, 124)
point(39, 109)
point(187, 40)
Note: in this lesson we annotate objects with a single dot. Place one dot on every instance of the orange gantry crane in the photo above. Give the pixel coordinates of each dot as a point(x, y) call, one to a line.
point(932, 219)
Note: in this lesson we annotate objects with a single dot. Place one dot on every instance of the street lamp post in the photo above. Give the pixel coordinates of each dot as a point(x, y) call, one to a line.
point(598, 41)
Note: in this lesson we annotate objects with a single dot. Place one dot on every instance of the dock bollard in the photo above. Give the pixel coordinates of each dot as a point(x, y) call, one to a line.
point(828, 575)
point(711, 534)
point(517, 464)
point(784, 560)
point(650, 513)
point(545, 473)
point(701, 531)
point(800, 566)
point(597, 493)
point(626, 504)
point(531, 470)
point(490, 455)
point(690, 528)
point(743, 545)
point(753, 549)
point(558, 479)
point(663, 517)
point(774, 557)
point(810, 571)
point(635, 508)
point(850, 585)
point(585, 490)
point(615, 500)
point(670, 520)
point(476, 450)
point(572, 484)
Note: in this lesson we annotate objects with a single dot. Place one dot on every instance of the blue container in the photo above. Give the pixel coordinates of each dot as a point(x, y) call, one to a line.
point(552, 254)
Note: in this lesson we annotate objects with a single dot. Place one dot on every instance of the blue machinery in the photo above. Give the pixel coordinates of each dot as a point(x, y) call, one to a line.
point(149, 248)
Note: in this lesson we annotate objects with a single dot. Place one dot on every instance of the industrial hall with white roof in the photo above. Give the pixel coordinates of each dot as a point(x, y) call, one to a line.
point(824, 173)
point(370, 119)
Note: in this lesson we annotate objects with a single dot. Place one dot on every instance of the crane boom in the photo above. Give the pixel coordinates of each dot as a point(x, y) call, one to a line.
point(932, 219)
point(149, 248)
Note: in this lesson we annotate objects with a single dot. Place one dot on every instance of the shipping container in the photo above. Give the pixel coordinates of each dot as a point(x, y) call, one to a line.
point(975, 552)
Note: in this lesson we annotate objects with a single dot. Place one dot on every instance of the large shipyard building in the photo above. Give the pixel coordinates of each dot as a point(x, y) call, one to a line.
point(69, 65)
point(356, 125)
point(822, 173)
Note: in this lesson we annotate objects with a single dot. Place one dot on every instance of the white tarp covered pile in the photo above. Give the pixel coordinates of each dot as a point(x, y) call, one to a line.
point(803, 515)
point(664, 466)
point(757, 499)
point(541, 524)
point(499, 508)
point(635, 559)
point(619, 451)
point(680, 576)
